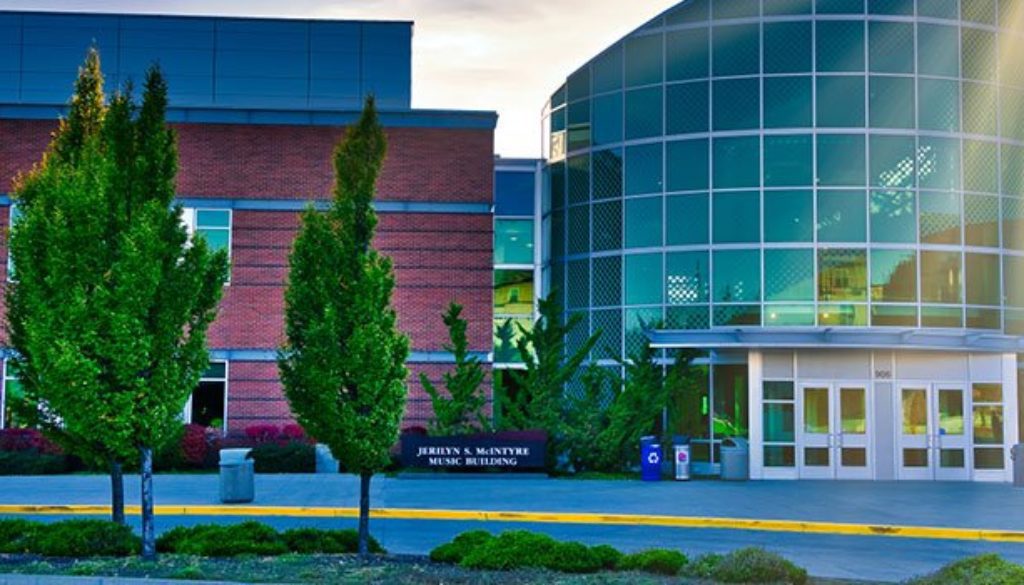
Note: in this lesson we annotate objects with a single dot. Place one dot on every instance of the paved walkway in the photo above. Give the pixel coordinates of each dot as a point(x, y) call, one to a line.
point(471, 503)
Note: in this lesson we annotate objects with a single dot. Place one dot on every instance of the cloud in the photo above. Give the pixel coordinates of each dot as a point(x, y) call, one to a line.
point(507, 56)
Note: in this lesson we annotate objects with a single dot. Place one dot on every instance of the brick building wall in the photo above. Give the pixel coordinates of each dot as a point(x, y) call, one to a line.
point(438, 257)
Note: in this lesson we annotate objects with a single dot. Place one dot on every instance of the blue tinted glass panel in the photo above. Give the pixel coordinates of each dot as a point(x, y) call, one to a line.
point(787, 47)
point(978, 54)
point(687, 165)
point(980, 11)
point(892, 161)
point(1013, 170)
point(579, 125)
point(737, 162)
point(643, 279)
point(607, 119)
point(891, 46)
point(607, 173)
point(607, 70)
point(686, 110)
point(981, 163)
point(737, 104)
point(737, 217)
point(579, 84)
point(940, 218)
point(893, 217)
point(643, 60)
point(513, 193)
point(894, 276)
point(643, 169)
point(892, 102)
point(840, 6)
point(938, 162)
point(979, 108)
point(693, 11)
point(786, 7)
point(842, 216)
point(787, 102)
point(686, 219)
point(939, 8)
point(788, 216)
point(789, 275)
point(938, 50)
point(840, 159)
point(895, 7)
point(607, 225)
point(737, 275)
point(840, 101)
point(736, 49)
point(938, 104)
point(736, 9)
point(686, 278)
point(788, 160)
point(840, 45)
point(643, 222)
point(644, 113)
point(513, 241)
point(688, 54)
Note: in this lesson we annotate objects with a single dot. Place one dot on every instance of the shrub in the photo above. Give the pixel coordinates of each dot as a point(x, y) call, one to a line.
point(32, 463)
point(194, 445)
point(27, 440)
point(293, 432)
point(703, 566)
point(756, 565)
point(83, 538)
point(292, 457)
point(453, 552)
point(518, 549)
point(15, 535)
point(262, 433)
point(608, 555)
point(660, 561)
point(987, 569)
point(314, 541)
point(212, 540)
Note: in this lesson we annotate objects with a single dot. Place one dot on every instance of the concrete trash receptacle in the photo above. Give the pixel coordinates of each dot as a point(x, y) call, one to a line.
point(1017, 456)
point(237, 476)
point(735, 459)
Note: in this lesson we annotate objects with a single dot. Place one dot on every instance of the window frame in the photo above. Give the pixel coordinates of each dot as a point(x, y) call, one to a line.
point(187, 413)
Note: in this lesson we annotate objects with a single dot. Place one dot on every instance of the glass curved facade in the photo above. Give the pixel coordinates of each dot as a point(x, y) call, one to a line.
point(794, 163)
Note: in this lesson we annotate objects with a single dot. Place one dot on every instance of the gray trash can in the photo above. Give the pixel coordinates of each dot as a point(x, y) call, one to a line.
point(735, 459)
point(1017, 456)
point(237, 476)
point(325, 461)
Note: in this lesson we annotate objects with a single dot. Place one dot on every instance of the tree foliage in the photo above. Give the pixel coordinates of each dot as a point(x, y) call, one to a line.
point(111, 302)
point(461, 411)
point(343, 366)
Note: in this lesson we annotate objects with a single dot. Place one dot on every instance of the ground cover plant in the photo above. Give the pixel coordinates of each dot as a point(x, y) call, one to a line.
point(987, 569)
point(254, 538)
point(68, 538)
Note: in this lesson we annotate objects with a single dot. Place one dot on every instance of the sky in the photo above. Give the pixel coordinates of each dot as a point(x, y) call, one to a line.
point(499, 55)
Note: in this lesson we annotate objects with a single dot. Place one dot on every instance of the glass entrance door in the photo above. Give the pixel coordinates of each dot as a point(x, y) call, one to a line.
point(834, 441)
point(933, 440)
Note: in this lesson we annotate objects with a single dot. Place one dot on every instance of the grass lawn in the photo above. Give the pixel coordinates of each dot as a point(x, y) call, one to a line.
point(403, 570)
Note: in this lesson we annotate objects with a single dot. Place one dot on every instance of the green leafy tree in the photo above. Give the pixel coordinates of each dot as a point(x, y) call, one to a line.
point(111, 302)
point(461, 411)
point(343, 366)
point(505, 345)
point(548, 368)
point(586, 416)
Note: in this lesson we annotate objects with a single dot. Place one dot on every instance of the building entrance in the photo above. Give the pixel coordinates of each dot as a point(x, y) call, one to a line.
point(833, 432)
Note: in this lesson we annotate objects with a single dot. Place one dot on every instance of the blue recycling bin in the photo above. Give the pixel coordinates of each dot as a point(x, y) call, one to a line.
point(650, 459)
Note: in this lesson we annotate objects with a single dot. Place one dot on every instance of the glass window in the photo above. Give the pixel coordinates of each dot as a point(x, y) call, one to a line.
point(607, 226)
point(787, 102)
point(643, 279)
point(894, 315)
point(938, 162)
point(579, 179)
point(579, 125)
point(737, 217)
point(687, 165)
point(894, 276)
point(643, 113)
point(737, 315)
point(687, 317)
point(513, 241)
point(842, 216)
point(579, 84)
point(688, 54)
point(785, 7)
point(842, 315)
point(891, 46)
point(643, 60)
point(513, 192)
point(638, 321)
point(840, 160)
point(737, 104)
point(788, 160)
point(686, 111)
point(694, 11)
point(982, 279)
point(938, 50)
point(607, 119)
point(979, 108)
point(978, 51)
point(1013, 268)
point(607, 70)
point(1013, 223)
point(558, 186)
point(893, 217)
point(840, 6)
point(788, 275)
point(892, 102)
point(1013, 169)
point(577, 289)
point(942, 317)
point(737, 275)
point(787, 47)
point(842, 274)
point(892, 161)
point(513, 293)
point(686, 219)
point(981, 166)
point(984, 318)
point(981, 220)
point(579, 229)
point(938, 104)
point(607, 173)
point(840, 45)
point(13, 397)
point(939, 8)
point(788, 216)
point(206, 405)
point(643, 222)
point(736, 49)
point(736, 9)
point(940, 277)
point(898, 7)
point(940, 218)
point(778, 428)
point(606, 288)
point(737, 162)
point(506, 336)
point(840, 100)
point(790, 315)
point(609, 323)
point(686, 278)
point(214, 225)
point(643, 169)
point(1012, 110)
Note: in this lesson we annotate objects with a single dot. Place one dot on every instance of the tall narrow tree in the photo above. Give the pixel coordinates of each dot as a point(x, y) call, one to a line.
point(343, 366)
point(461, 411)
point(112, 301)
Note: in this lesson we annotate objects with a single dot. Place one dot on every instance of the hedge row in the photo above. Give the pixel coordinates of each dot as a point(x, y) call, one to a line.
point(69, 538)
point(522, 549)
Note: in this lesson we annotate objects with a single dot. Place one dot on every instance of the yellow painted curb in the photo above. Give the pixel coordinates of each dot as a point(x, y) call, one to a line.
point(794, 526)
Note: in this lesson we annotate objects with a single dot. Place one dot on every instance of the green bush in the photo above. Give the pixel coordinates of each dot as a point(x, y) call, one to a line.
point(756, 565)
point(83, 538)
point(521, 549)
point(703, 566)
point(212, 540)
point(453, 552)
point(15, 535)
point(660, 561)
point(291, 457)
point(32, 463)
point(608, 555)
point(987, 569)
point(315, 541)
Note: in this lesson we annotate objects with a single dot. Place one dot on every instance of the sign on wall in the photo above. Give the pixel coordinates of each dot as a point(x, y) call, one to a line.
point(469, 453)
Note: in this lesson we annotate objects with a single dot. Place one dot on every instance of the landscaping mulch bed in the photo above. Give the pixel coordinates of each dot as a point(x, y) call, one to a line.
point(343, 569)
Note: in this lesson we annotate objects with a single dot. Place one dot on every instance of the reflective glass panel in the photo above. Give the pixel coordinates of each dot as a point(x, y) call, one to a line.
point(788, 160)
point(788, 216)
point(579, 125)
point(915, 458)
point(939, 8)
point(789, 315)
point(778, 390)
point(891, 46)
point(940, 218)
point(737, 275)
point(915, 411)
point(816, 411)
point(737, 217)
point(853, 411)
point(736, 9)
point(938, 50)
point(513, 292)
point(687, 165)
point(607, 119)
point(891, 102)
point(1013, 169)
point(643, 279)
point(778, 423)
point(940, 277)
point(579, 179)
point(817, 456)
point(644, 113)
point(686, 110)
point(982, 279)
point(513, 241)
point(607, 71)
point(894, 276)
point(842, 315)
point(686, 278)
point(736, 315)
point(893, 315)
point(951, 411)
point(892, 161)
point(840, 6)
point(841, 160)
point(988, 425)
point(893, 217)
point(737, 162)
point(842, 216)
point(686, 219)
point(643, 60)
point(606, 286)
point(638, 321)
point(938, 162)
point(987, 392)
point(737, 104)
point(981, 166)
point(788, 275)
point(787, 102)
point(978, 49)
point(787, 47)
point(942, 317)
point(842, 275)
point(607, 173)
point(579, 229)
point(979, 110)
point(687, 53)
point(643, 169)
point(988, 458)
point(938, 104)
point(840, 45)
point(607, 226)
point(840, 101)
point(784, 7)
point(643, 222)
point(736, 49)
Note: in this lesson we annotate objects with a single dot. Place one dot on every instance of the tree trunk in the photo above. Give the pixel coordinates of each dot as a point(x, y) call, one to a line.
point(116, 492)
point(148, 533)
point(364, 514)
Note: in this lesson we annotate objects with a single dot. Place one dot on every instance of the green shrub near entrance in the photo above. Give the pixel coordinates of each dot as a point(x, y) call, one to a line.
point(16, 534)
point(754, 565)
point(290, 457)
point(81, 538)
point(212, 540)
point(987, 569)
point(333, 542)
point(453, 552)
point(660, 561)
point(522, 549)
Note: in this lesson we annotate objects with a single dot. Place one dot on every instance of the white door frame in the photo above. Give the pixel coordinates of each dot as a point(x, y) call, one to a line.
point(835, 440)
point(933, 438)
